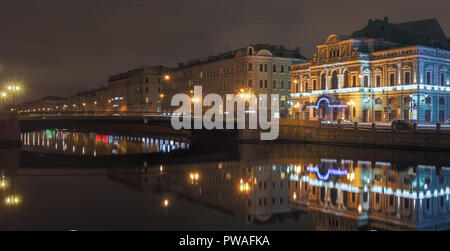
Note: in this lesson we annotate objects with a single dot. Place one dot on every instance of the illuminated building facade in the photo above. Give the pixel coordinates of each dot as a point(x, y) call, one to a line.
point(381, 73)
point(256, 69)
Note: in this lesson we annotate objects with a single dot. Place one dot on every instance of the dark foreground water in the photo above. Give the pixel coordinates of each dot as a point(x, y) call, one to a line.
point(266, 187)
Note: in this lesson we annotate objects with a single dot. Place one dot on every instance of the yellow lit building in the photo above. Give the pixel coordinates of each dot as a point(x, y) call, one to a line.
point(256, 69)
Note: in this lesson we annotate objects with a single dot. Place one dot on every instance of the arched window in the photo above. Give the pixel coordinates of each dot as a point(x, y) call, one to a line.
point(442, 101)
point(334, 80)
point(392, 101)
point(378, 101)
point(346, 79)
point(428, 100)
point(323, 82)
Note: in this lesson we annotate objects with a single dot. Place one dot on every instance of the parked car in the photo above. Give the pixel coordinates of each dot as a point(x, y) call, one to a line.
point(401, 125)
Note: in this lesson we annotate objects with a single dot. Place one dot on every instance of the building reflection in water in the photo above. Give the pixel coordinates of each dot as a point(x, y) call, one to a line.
point(340, 188)
point(10, 197)
point(80, 143)
point(263, 197)
point(347, 194)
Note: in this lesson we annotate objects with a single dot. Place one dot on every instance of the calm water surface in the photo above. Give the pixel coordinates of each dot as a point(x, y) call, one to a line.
point(268, 187)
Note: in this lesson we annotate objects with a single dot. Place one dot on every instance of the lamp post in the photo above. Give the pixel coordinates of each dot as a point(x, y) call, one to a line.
point(13, 89)
point(165, 79)
point(2, 96)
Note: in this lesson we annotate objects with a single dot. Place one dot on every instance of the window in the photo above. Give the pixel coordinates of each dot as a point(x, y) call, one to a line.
point(392, 79)
point(428, 78)
point(265, 68)
point(146, 80)
point(378, 116)
point(315, 85)
point(265, 84)
point(346, 79)
point(442, 101)
point(146, 89)
point(354, 81)
point(391, 200)
point(428, 115)
point(306, 86)
point(378, 101)
point(250, 83)
point(334, 80)
point(274, 84)
point(407, 78)
point(282, 84)
point(378, 81)
point(442, 79)
point(323, 82)
point(366, 81)
point(260, 67)
point(250, 67)
point(260, 84)
point(428, 100)
point(282, 68)
point(274, 68)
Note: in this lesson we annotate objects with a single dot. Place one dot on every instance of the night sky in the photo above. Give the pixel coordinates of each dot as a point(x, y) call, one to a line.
point(58, 47)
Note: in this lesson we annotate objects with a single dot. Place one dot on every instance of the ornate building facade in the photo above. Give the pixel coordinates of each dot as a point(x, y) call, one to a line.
point(381, 73)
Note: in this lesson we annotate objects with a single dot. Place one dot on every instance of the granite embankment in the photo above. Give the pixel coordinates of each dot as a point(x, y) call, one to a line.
point(9, 130)
point(311, 132)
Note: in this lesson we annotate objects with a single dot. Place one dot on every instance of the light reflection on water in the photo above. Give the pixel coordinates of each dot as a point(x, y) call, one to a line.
point(80, 143)
point(337, 193)
point(282, 187)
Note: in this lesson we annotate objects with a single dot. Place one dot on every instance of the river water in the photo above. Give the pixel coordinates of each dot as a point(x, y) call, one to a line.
point(263, 187)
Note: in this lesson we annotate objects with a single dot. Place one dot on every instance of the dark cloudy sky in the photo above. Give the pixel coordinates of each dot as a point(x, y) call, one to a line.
point(58, 47)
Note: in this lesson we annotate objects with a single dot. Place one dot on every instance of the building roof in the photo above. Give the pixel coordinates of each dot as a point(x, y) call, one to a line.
point(423, 32)
point(159, 69)
point(277, 51)
point(429, 27)
point(54, 98)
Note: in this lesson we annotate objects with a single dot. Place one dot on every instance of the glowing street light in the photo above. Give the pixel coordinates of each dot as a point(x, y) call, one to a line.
point(12, 200)
point(195, 100)
point(166, 203)
point(167, 77)
point(2, 96)
point(13, 88)
point(244, 187)
point(194, 178)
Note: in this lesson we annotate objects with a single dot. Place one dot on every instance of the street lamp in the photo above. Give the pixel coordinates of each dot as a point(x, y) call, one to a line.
point(13, 88)
point(2, 96)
